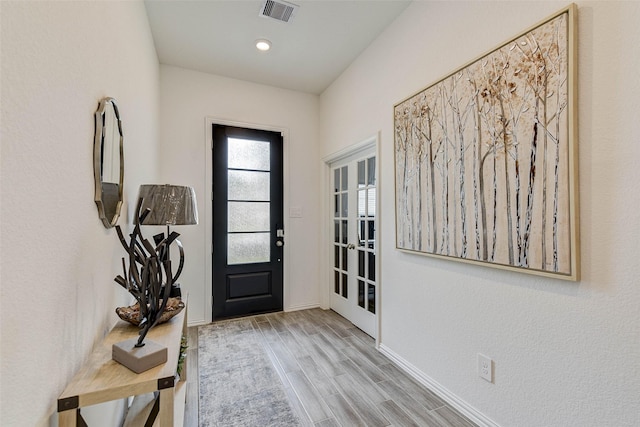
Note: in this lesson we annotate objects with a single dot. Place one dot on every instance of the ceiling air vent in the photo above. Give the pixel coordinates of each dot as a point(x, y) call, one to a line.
point(280, 10)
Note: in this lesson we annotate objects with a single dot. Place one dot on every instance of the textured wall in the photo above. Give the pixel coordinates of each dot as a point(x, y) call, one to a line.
point(57, 260)
point(188, 99)
point(565, 353)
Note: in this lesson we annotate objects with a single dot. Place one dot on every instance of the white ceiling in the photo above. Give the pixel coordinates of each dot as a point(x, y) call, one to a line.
point(308, 54)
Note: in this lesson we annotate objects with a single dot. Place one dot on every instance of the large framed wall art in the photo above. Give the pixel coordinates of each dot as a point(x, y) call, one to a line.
point(486, 158)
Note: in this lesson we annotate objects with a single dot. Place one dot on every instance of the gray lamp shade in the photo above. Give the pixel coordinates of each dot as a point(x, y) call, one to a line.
point(169, 204)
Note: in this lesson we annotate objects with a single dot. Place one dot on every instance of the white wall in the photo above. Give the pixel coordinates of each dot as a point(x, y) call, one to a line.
point(565, 354)
point(188, 100)
point(57, 260)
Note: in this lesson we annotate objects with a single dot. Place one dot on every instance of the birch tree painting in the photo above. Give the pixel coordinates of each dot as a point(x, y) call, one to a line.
point(484, 158)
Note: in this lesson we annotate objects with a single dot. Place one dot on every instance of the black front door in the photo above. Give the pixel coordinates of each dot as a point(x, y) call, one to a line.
point(248, 229)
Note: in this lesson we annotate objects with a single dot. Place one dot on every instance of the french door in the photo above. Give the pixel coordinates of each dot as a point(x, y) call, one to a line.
point(354, 246)
point(248, 230)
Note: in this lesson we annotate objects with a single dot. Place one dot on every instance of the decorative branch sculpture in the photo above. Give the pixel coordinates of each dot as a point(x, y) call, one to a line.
point(148, 278)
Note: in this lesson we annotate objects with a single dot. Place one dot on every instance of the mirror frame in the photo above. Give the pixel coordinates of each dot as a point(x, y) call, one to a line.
point(98, 162)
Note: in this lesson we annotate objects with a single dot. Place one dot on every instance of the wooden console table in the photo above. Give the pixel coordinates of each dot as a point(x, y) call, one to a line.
point(102, 379)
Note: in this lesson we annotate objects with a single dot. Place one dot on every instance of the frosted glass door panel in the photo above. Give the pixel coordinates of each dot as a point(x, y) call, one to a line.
point(249, 154)
point(248, 185)
point(248, 207)
point(248, 216)
point(248, 248)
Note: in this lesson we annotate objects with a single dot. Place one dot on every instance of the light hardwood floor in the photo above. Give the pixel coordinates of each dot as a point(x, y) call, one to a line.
point(334, 376)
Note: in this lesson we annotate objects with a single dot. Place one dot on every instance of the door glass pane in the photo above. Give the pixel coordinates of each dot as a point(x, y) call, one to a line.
point(336, 205)
point(248, 185)
point(372, 267)
point(361, 174)
point(371, 235)
point(249, 154)
point(360, 263)
point(361, 232)
point(362, 203)
point(361, 293)
point(336, 231)
point(248, 248)
point(345, 179)
point(345, 264)
point(248, 216)
point(345, 205)
point(336, 282)
point(345, 286)
point(371, 296)
point(345, 231)
point(371, 202)
point(336, 180)
point(371, 171)
point(336, 251)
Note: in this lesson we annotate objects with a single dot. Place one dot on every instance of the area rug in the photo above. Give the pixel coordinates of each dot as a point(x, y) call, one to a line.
point(238, 384)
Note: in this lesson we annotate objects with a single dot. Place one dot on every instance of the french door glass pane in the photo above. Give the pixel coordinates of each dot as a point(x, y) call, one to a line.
point(345, 231)
point(372, 267)
point(345, 264)
point(371, 169)
point(248, 216)
point(345, 178)
point(248, 248)
point(361, 232)
point(248, 185)
point(361, 174)
point(371, 202)
point(362, 203)
point(372, 234)
point(345, 287)
point(345, 205)
point(249, 154)
point(371, 296)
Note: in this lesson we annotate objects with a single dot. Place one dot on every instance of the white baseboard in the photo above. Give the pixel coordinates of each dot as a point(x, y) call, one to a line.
point(197, 323)
point(454, 401)
point(301, 307)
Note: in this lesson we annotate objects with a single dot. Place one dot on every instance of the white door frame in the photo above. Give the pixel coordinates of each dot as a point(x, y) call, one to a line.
point(208, 211)
point(327, 219)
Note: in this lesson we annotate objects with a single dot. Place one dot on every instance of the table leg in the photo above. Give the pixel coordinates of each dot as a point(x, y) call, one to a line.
point(165, 414)
point(67, 418)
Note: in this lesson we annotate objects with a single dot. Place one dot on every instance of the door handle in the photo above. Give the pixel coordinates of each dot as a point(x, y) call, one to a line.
point(279, 243)
point(351, 246)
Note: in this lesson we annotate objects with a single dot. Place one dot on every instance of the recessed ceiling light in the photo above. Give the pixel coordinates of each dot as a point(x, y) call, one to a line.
point(263, 45)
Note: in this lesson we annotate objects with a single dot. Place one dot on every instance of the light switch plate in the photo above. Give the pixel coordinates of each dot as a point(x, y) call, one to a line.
point(295, 212)
point(485, 367)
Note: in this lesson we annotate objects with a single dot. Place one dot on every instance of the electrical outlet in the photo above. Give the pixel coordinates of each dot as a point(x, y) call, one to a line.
point(485, 367)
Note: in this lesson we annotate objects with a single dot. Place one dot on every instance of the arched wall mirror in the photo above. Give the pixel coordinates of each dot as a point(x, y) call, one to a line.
point(108, 162)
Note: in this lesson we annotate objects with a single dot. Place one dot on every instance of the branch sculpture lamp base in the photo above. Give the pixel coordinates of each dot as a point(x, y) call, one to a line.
point(139, 359)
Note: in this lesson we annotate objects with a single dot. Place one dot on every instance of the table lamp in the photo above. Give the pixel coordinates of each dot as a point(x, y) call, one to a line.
point(149, 277)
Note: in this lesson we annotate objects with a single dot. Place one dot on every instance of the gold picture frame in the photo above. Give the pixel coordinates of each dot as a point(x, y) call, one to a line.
point(486, 158)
